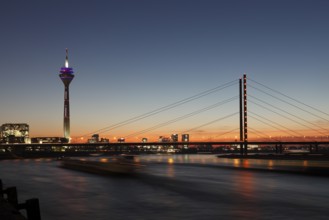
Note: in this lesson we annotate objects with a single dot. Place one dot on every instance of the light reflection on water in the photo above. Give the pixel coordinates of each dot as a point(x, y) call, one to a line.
point(245, 163)
point(167, 191)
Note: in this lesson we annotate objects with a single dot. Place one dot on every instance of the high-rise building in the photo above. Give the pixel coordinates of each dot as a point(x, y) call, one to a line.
point(66, 75)
point(14, 133)
point(174, 137)
point(185, 137)
point(94, 138)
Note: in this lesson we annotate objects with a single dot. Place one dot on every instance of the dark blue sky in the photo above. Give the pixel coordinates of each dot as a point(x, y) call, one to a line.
point(131, 57)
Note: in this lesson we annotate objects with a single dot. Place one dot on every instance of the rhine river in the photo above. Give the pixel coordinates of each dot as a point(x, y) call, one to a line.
point(170, 187)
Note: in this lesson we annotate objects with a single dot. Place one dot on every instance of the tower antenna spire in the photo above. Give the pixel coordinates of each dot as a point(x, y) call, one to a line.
point(67, 58)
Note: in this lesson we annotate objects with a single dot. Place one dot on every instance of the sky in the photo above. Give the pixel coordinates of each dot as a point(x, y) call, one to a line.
point(131, 57)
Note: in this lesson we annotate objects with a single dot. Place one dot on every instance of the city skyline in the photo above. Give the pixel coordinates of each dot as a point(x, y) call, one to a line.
point(131, 58)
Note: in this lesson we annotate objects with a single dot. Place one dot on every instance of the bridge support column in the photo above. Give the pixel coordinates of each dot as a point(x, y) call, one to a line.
point(241, 117)
point(245, 122)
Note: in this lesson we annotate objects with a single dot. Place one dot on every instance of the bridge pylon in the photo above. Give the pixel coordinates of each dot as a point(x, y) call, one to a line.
point(243, 115)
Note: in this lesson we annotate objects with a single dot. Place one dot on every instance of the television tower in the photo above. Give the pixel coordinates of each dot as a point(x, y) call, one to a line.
point(66, 75)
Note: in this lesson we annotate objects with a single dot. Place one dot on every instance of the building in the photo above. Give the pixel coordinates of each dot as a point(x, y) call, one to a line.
point(174, 137)
point(14, 133)
point(121, 140)
point(48, 140)
point(185, 137)
point(95, 137)
point(104, 140)
point(66, 75)
point(163, 139)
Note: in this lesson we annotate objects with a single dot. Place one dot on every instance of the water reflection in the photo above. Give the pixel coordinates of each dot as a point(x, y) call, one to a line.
point(243, 163)
point(305, 163)
point(236, 162)
point(104, 160)
point(170, 160)
point(270, 164)
point(245, 191)
point(172, 187)
point(170, 171)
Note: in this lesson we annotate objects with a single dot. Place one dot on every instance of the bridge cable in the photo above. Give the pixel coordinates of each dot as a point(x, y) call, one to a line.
point(164, 108)
point(275, 123)
point(285, 116)
point(236, 129)
point(270, 124)
point(289, 113)
point(211, 122)
point(290, 104)
point(265, 136)
point(289, 97)
point(183, 117)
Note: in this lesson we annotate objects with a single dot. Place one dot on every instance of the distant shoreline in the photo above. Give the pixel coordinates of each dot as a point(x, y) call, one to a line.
point(323, 157)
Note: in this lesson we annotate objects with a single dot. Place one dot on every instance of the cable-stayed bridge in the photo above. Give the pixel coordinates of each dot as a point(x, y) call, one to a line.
point(255, 115)
point(268, 109)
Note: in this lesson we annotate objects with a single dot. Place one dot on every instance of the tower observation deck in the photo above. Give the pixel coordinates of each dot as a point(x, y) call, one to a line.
point(66, 75)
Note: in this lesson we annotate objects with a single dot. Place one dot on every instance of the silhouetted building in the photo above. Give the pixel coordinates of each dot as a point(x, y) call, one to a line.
point(104, 140)
point(174, 137)
point(185, 137)
point(163, 139)
point(91, 141)
point(14, 133)
point(95, 137)
point(121, 140)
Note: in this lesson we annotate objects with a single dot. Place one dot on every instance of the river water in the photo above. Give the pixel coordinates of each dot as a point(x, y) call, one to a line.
point(170, 187)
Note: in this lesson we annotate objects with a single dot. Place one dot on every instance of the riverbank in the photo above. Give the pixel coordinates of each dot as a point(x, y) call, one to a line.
point(305, 164)
point(317, 157)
